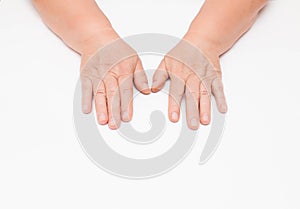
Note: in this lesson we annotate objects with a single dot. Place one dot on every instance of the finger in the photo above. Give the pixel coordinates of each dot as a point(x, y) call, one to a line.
point(205, 105)
point(113, 101)
point(218, 92)
point(140, 79)
point(159, 78)
point(175, 95)
point(87, 95)
point(192, 102)
point(126, 94)
point(100, 104)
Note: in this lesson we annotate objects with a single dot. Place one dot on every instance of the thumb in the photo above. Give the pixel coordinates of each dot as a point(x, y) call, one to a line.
point(159, 78)
point(140, 78)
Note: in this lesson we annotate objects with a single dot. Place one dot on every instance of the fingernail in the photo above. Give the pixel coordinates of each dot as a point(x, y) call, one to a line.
point(154, 90)
point(174, 116)
point(125, 116)
point(112, 124)
point(194, 122)
point(102, 116)
point(205, 118)
point(112, 121)
point(145, 86)
point(85, 108)
point(224, 108)
point(146, 89)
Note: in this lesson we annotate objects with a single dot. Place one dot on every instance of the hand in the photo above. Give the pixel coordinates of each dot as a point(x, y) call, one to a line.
point(108, 75)
point(195, 72)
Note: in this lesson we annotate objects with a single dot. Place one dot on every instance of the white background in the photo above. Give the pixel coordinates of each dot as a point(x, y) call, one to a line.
point(257, 165)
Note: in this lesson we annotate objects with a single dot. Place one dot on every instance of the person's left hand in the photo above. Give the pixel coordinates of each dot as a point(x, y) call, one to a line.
point(195, 72)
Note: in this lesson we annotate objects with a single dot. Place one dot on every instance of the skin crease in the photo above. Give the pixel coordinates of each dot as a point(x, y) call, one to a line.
point(84, 28)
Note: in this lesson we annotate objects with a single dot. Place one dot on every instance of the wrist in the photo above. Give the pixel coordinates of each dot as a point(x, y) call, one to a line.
point(95, 39)
point(210, 48)
point(207, 45)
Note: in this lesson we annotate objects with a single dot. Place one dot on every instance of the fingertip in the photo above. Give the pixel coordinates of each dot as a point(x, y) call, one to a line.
point(155, 90)
point(205, 119)
point(223, 108)
point(193, 124)
point(159, 79)
point(143, 88)
point(146, 91)
point(174, 117)
point(86, 109)
point(126, 117)
point(157, 85)
point(218, 92)
point(102, 119)
point(113, 125)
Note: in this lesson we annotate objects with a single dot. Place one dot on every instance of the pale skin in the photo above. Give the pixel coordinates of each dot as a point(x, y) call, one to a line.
point(84, 28)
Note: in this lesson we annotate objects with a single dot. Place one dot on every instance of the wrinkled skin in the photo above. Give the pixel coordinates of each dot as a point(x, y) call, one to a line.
point(109, 75)
point(193, 75)
point(84, 28)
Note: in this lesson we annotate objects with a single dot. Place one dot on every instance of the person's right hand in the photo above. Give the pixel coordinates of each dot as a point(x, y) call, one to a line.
point(108, 70)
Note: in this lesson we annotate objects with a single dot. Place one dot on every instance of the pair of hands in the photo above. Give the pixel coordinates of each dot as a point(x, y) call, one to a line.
point(109, 74)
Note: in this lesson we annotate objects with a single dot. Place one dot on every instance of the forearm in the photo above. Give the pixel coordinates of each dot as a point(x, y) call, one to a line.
point(220, 23)
point(77, 22)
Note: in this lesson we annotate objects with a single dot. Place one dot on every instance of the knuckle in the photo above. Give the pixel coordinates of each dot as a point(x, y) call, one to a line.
point(215, 73)
point(204, 92)
point(100, 92)
point(192, 94)
point(129, 62)
point(176, 94)
point(111, 92)
point(113, 73)
point(219, 73)
point(219, 87)
point(127, 91)
point(169, 60)
point(134, 58)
